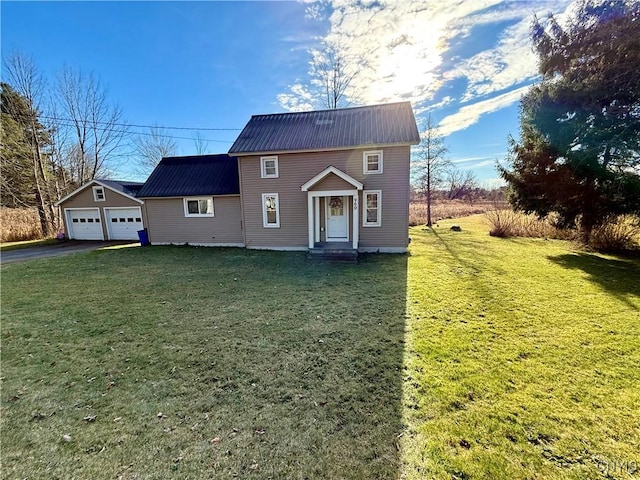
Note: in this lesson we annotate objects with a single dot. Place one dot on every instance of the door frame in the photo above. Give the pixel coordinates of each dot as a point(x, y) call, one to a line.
point(345, 209)
point(313, 214)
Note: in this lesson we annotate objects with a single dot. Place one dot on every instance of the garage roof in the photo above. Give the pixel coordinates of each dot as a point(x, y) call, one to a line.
point(388, 124)
point(126, 188)
point(130, 188)
point(193, 175)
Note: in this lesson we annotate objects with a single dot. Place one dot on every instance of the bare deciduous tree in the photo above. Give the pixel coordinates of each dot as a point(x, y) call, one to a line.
point(333, 73)
point(97, 126)
point(151, 147)
point(200, 143)
point(430, 162)
point(461, 184)
point(332, 82)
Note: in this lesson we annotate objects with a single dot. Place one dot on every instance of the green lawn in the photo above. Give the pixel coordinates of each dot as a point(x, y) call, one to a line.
point(474, 357)
point(8, 246)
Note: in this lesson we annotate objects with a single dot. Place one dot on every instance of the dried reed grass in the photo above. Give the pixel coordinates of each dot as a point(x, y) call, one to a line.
point(618, 235)
point(444, 209)
point(18, 224)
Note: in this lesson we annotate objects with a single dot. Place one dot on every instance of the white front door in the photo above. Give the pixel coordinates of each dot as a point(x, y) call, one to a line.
point(123, 223)
point(337, 219)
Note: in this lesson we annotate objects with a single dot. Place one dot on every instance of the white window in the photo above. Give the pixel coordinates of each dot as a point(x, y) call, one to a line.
point(372, 161)
point(270, 210)
point(372, 211)
point(269, 167)
point(198, 207)
point(98, 194)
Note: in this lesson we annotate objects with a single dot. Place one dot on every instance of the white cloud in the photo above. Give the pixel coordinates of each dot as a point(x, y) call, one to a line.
point(470, 114)
point(413, 50)
point(472, 159)
point(511, 61)
point(484, 163)
point(493, 183)
point(299, 100)
point(396, 47)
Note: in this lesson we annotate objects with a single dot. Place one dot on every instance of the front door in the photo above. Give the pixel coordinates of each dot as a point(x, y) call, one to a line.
point(337, 219)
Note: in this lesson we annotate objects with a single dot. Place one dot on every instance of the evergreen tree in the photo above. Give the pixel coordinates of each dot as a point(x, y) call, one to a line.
point(579, 151)
point(16, 149)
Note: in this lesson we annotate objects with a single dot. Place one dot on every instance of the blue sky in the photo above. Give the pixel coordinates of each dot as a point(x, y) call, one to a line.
point(214, 64)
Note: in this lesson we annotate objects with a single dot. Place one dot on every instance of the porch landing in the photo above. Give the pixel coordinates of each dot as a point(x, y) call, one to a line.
point(336, 251)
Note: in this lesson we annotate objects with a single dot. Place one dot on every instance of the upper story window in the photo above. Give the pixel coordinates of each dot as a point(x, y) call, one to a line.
point(98, 194)
point(198, 207)
point(269, 167)
point(372, 161)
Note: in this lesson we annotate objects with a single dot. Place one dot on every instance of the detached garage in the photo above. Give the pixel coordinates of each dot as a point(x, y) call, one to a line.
point(103, 210)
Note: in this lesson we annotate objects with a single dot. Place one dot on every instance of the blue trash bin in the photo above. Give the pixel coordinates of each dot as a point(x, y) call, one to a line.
point(144, 237)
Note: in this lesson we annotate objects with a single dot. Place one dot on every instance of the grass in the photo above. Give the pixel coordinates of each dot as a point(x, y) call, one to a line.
point(521, 358)
point(474, 357)
point(200, 363)
point(8, 246)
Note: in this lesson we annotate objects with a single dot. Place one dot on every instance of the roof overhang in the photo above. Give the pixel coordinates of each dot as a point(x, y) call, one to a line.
point(96, 182)
point(331, 170)
point(186, 195)
point(327, 149)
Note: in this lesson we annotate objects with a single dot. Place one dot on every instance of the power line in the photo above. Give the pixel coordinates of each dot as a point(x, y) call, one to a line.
point(124, 132)
point(142, 126)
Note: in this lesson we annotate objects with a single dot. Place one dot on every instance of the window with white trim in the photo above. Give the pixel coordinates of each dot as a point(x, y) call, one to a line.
point(372, 211)
point(372, 161)
point(198, 206)
point(269, 167)
point(98, 194)
point(270, 210)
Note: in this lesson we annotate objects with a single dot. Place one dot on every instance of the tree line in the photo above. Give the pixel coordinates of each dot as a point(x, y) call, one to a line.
point(57, 134)
point(578, 155)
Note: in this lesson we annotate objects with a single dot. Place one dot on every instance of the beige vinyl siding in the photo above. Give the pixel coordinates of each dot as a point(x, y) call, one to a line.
point(166, 222)
point(84, 199)
point(332, 182)
point(296, 169)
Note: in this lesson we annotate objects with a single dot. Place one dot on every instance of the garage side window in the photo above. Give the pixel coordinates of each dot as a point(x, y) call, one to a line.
point(198, 207)
point(98, 194)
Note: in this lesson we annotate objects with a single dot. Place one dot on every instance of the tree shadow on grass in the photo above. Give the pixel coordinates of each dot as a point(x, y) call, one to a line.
point(619, 277)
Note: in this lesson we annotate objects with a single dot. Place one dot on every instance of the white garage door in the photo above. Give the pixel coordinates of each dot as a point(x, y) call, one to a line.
point(123, 223)
point(84, 224)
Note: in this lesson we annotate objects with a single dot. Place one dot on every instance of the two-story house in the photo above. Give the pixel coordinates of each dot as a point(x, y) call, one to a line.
point(310, 179)
point(292, 181)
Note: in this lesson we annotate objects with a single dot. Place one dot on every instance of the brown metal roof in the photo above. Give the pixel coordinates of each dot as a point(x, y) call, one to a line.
point(388, 124)
point(193, 175)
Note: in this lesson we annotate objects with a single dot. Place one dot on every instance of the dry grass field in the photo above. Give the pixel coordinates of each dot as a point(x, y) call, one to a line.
point(444, 209)
point(17, 224)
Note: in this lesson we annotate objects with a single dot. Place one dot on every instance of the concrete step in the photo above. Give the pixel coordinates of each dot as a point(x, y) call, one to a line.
point(334, 255)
